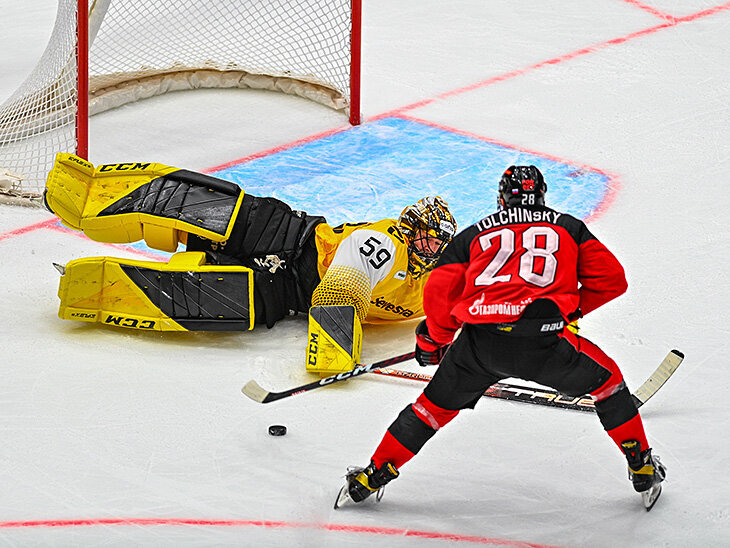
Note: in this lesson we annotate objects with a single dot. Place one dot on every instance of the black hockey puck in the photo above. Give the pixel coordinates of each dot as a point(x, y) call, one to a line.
point(277, 430)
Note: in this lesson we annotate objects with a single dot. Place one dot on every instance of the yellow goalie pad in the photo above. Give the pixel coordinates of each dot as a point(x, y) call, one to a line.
point(184, 294)
point(128, 202)
point(334, 339)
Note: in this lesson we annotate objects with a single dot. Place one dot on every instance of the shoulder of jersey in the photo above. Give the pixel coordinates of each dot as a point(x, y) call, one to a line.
point(388, 227)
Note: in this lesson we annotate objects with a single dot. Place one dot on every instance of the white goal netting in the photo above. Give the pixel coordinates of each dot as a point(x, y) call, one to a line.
point(139, 49)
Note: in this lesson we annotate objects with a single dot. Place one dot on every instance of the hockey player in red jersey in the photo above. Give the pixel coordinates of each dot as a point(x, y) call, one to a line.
point(511, 283)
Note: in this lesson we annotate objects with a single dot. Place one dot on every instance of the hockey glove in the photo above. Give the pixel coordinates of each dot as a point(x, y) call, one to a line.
point(573, 320)
point(428, 351)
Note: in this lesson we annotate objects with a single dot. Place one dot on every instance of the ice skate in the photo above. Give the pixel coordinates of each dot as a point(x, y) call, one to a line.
point(645, 471)
point(360, 483)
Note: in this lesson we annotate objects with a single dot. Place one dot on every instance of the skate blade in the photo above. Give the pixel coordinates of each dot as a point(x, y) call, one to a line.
point(343, 497)
point(650, 497)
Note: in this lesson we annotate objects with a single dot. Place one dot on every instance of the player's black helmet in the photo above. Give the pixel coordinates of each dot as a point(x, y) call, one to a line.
point(521, 186)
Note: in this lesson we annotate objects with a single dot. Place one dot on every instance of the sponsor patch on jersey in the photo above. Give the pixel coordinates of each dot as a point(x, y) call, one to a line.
point(400, 275)
point(478, 308)
point(390, 307)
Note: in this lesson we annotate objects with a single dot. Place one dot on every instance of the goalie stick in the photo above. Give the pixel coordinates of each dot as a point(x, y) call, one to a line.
point(552, 398)
point(253, 390)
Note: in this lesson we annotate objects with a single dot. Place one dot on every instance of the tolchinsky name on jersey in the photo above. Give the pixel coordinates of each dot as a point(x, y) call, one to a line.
point(516, 215)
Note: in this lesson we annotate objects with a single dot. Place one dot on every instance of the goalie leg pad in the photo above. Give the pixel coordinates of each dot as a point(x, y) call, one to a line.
point(263, 226)
point(182, 295)
point(121, 203)
point(334, 339)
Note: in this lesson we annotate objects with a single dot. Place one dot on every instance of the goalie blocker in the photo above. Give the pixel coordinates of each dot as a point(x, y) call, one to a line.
point(272, 274)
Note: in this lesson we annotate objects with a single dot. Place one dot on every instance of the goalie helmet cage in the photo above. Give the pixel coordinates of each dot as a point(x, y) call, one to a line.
point(126, 50)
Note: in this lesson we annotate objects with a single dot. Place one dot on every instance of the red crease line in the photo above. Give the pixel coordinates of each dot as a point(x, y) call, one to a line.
point(650, 9)
point(276, 149)
point(30, 228)
point(560, 59)
point(149, 254)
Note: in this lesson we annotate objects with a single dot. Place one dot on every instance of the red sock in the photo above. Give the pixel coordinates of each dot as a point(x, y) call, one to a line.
point(630, 430)
point(434, 417)
point(390, 450)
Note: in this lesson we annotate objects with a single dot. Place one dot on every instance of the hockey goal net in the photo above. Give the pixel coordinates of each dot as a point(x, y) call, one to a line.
point(126, 50)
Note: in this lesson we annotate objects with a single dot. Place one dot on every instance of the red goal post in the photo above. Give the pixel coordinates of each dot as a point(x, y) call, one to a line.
point(127, 50)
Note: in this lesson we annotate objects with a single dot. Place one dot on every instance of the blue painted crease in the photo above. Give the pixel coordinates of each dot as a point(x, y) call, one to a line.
point(374, 170)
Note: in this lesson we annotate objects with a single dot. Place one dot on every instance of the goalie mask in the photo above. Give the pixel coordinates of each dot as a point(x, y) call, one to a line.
point(521, 186)
point(428, 226)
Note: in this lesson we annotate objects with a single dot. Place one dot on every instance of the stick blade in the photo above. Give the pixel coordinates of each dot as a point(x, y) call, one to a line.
point(253, 390)
point(665, 370)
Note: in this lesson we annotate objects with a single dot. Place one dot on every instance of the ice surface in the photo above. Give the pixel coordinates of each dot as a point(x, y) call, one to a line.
point(118, 438)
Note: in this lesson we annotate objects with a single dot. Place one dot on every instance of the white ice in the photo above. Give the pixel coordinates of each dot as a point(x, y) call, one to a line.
point(105, 424)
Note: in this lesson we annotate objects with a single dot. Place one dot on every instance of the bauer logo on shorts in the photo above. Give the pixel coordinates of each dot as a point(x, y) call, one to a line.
point(550, 327)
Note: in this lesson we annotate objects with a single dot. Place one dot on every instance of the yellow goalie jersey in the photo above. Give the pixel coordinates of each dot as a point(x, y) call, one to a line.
point(366, 265)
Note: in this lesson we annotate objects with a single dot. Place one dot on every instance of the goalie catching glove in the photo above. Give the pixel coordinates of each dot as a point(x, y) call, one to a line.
point(428, 351)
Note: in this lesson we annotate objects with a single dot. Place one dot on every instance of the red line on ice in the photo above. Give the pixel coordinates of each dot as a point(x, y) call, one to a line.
point(279, 148)
point(267, 524)
point(149, 254)
point(560, 59)
point(30, 228)
point(54, 224)
point(651, 10)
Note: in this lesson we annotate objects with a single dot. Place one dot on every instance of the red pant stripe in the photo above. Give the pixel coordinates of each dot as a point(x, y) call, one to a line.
point(433, 415)
point(584, 346)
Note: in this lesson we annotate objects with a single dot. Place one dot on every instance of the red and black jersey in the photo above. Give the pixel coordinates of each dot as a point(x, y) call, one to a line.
point(492, 270)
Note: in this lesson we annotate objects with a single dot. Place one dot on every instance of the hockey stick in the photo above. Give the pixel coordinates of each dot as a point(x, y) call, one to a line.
point(552, 398)
point(256, 393)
